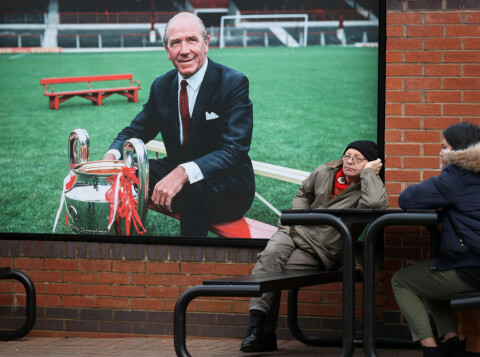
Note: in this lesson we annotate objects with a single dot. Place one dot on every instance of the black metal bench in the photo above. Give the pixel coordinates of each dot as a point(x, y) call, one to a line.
point(256, 285)
point(7, 273)
point(466, 301)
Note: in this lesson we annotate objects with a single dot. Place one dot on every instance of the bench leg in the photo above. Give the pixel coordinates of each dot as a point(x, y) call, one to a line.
point(30, 305)
point(179, 314)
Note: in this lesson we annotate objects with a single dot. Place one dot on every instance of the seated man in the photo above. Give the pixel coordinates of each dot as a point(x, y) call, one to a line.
point(203, 111)
point(349, 182)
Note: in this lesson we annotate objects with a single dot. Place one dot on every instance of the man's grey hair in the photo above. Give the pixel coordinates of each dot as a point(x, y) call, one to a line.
point(204, 29)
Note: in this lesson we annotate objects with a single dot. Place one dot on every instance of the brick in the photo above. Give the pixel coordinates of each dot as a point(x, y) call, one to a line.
point(196, 268)
point(63, 264)
point(423, 83)
point(423, 56)
point(443, 96)
point(94, 265)
point(402, 149)
point(95, 289)
point(48, 300)
point(393, 162)
point(419, 136)
point(187, 280)
point(462, 4)
point(443, 18)
point(163, 267)
point(471, 43)
point(394, 31)
point(393, 188)
point(162, 292)
point(113, 278)
point(393, 109)
point(28, 263)
point(402, 122)
point(438, 123)
point(461, 83)
point(321, 310)
point(403, 96)
point(128, 290)
point(403, 18)
point(404, 43)
point(427, 174)
point(232, 269)
point(424, 30)
point(79, 277)
point(462, 31)
point(61, 289)
point(404, 253)
point(461, 109)
point(393, 135)
point(393, 56)
point(421, 162)
point(148, 279)
point(471, 70)
point(442, 70)
point(423, 109)
point(112, 302)
point(433, 149)
point(128, 266)
point(47, 276)
point(393, 83)
point(215, 305)
point(472, 17)
point(403, 69)
point(78, 301)
point(462, 56)
point(424, 4)
point(443, 44)
point(402, 175)
point(471, 96)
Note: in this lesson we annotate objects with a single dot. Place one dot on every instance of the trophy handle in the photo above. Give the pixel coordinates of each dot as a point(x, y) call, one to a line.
point(130, 148)
point(78, 147)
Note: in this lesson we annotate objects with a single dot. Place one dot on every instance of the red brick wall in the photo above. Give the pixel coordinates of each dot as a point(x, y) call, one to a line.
point(432, 81)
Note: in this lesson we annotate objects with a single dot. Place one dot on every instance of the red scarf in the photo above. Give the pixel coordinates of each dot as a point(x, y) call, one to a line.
point(339, 184)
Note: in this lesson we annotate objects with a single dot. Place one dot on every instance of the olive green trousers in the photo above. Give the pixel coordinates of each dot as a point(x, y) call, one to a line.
point(421, 291)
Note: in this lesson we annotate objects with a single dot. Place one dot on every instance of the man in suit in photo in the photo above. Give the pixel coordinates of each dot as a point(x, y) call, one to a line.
point(203, 112)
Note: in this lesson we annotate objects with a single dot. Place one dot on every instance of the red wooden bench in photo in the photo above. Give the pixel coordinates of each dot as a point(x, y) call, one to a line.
point(241, 228)
point(96, 95)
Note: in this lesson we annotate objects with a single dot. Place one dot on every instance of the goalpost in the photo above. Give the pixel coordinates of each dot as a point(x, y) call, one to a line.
point(239, 18)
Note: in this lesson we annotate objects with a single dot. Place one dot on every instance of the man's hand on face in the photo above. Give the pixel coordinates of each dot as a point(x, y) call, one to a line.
point(376, 165)
point(167, 188)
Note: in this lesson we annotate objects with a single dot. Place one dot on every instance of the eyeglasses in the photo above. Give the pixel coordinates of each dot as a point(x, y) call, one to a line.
point(356, 159)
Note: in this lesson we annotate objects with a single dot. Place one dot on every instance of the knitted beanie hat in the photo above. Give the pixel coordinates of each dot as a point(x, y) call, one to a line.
point(368, 149)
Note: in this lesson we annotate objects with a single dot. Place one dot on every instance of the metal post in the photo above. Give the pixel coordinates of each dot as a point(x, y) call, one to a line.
point(99, 40)
point(78, 40)
point(266, 39)
point(19, 40)
point(373, 231)
point(244, 37)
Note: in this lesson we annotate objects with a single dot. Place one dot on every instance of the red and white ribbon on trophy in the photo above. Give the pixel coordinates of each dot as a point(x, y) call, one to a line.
point(122, 203)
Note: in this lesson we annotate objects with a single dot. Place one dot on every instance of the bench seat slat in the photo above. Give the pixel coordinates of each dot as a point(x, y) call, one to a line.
point(78, 79)
point(87, 91)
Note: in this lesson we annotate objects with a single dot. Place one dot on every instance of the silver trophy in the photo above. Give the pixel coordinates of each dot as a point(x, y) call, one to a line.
point(86, 187)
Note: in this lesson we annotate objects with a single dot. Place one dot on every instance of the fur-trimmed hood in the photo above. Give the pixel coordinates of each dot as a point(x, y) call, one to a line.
point(469, 158)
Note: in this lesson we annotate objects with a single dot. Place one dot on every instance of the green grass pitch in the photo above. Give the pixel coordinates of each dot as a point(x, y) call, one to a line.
point(308, 104)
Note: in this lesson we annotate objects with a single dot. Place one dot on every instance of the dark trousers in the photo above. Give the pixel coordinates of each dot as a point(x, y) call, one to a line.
point(199, 207)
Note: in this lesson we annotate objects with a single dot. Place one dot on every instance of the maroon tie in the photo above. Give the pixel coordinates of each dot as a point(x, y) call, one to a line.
point(184, 112)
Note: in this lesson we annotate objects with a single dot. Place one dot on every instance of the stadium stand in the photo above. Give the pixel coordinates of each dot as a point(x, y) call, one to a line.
point(108, 24)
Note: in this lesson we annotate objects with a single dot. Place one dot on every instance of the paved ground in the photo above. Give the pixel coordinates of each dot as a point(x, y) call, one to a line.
point(163, 347)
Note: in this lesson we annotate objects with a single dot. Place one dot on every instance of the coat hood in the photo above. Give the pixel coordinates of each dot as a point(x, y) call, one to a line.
point(469, 158)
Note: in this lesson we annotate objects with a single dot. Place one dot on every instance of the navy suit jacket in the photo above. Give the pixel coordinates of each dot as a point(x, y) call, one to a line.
point(218, 146)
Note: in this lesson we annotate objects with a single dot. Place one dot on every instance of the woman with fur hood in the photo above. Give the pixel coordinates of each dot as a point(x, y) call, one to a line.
point(428, 287)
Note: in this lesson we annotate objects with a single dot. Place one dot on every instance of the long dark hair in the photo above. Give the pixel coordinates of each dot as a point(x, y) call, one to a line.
point(461, 136)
